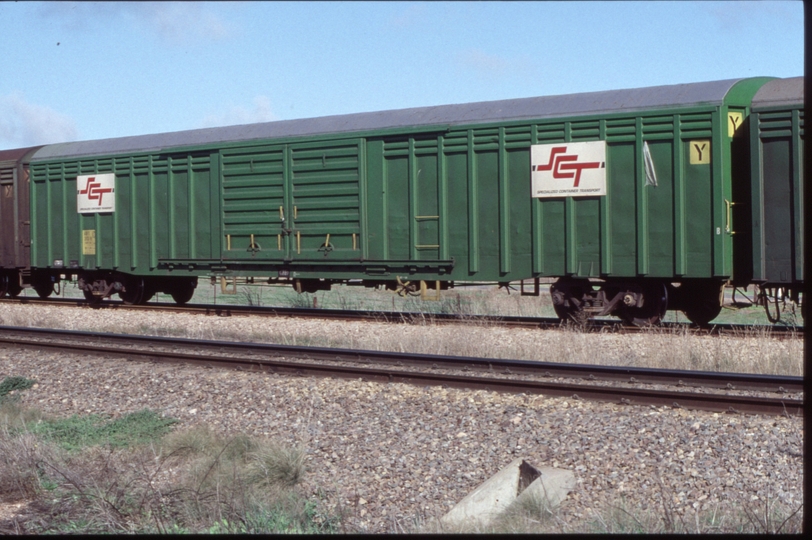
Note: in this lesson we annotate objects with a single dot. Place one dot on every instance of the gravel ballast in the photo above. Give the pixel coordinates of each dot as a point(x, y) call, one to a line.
point(391, 455)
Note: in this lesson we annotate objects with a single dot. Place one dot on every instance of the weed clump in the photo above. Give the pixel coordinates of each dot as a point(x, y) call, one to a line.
point(134, 475)
point(277, 465)
point(12, 384)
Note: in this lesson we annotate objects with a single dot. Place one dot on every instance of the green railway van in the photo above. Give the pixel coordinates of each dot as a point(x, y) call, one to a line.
point(777, 142)
point(628, 198)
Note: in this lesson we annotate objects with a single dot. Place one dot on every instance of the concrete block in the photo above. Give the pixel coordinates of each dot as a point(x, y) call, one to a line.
point(519, 479)
point(550, 488)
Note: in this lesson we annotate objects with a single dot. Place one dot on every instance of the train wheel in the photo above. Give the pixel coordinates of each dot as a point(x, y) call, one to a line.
point(134, 291)
point(655, 304)
point(92, 298)
point(567, 298)
point(44, 289)
point(702, 302)
point(13, 288)
point(183, 291)
point(3, 286)
point(182, 296)
point(403, 289)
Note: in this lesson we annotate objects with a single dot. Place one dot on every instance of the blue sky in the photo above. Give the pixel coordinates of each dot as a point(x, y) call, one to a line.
point(86, 70)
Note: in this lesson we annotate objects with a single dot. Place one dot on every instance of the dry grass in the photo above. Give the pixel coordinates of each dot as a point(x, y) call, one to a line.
point(19, 459)
point(755, 350)
point(276, 465)
point(530, 516)
point(194, 481)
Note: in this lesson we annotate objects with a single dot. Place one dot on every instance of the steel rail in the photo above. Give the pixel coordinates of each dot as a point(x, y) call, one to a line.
point(637, 375)
point(89, 343)
point(594, 325)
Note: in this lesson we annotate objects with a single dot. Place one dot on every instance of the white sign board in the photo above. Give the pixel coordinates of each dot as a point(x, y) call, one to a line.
point(575, 169)
point(96, 193)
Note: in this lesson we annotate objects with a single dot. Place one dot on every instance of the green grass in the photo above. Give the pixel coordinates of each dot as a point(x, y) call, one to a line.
point(78, 432)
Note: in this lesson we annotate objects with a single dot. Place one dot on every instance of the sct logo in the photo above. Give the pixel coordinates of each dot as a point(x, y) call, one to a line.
point(560, 162)
point(96, 193)
point(575, 169)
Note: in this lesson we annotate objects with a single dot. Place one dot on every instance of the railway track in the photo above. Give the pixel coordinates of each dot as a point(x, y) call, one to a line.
point(719, 392)
point(225, 310)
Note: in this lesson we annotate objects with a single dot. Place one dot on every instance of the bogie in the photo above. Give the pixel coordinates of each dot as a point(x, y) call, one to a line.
point(634, 303)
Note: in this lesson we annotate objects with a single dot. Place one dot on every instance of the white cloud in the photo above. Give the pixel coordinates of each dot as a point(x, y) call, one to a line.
point(27, 124)
point(732, 16)
point(175, 22)
point(260, 111)
point(182, 22)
